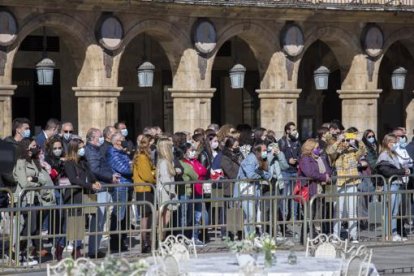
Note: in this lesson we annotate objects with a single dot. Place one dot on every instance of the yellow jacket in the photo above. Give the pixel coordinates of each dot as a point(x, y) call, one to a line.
point(143, 172)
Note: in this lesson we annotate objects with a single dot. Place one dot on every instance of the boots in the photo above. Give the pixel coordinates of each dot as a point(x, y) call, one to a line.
point(59, 252)
point(76, 253)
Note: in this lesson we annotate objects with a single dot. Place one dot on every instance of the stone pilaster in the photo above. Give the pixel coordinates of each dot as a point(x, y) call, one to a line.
point(6, 93)
point(278, 107)
point(97, 107)
point(360, 108)
point(192, 108)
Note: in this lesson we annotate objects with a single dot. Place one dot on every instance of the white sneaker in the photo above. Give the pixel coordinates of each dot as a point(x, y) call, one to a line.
point(197, 242)
point(69, 247)
point(396, 237)
point(29, 262)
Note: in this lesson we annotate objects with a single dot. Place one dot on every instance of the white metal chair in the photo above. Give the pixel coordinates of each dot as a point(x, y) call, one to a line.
point(62, 267)
point(178, 246)
point(359, 262)
point(326, 246)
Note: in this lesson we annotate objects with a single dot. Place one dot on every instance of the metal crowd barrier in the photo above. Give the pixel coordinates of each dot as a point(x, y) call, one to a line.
point(6, 229)
point(82, 223)
point(224, 208)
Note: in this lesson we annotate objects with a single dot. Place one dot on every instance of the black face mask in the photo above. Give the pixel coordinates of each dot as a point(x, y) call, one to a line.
point(35, 152)
point(291, 137)
point(236, 150)
point(153, 147)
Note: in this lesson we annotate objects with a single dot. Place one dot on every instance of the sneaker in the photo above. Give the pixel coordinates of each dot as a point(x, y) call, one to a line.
point(396, 237)
point(354, 240)
point(28, 261)
point(69, 247)
point(197, 242)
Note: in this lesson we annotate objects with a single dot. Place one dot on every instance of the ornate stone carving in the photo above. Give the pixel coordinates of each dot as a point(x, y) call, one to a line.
point(204, 36)
point(8, 28)
point(109, 32)
point(292, 39)
point(372, 40)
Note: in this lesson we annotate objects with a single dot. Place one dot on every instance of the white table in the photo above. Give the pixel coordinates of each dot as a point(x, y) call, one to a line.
point(225, 264)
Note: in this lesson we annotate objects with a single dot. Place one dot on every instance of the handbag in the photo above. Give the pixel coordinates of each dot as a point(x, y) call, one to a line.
point(301, 191)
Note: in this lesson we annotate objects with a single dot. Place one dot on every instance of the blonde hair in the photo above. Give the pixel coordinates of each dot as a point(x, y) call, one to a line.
point(308, 146)
point(164, 150)
point(224, 131)
point(388, 138)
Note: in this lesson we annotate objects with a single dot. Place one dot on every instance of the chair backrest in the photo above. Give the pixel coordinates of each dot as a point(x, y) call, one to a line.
point(170, 266)
point(61, 268)
point(326, 246)
point(178, 246)
point(359, 261)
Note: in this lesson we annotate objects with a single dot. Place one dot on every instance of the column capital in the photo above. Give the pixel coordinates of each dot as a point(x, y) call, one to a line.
point(359, 94)
point(192, 93)
point(97, 91)
point(278, 93)
point(7, 90)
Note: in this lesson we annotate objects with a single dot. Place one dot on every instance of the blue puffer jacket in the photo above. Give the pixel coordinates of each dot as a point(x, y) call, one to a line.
point(120, 163)
point(98, 164)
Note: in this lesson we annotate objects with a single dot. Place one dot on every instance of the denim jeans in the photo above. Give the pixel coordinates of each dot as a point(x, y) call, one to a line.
point(394, 205)
point(346, 205)
point(289, 206)
point(184, 211)
point(97, 222)
point(250, 210)
point(199, 211)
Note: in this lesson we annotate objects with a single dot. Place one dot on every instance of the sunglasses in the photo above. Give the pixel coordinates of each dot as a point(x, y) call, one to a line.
point(371, 136)
point(347, 140)
point(68, 131)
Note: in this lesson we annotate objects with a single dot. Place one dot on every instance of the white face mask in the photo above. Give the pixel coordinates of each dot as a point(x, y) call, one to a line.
point(214, 145)
point(124, 132)
point(57, 152)
point(192, 154)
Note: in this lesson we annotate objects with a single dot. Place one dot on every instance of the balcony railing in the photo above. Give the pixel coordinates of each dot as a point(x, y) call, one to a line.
point(402, 5)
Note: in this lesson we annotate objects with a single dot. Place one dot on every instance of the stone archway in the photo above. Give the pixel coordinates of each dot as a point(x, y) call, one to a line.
point(316, 107)
point(396, 107)
point(69, 54)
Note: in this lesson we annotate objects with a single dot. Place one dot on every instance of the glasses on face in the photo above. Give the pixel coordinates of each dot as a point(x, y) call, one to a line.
point(347, 140)
point(57, 148)
point(68, 131)
point(371, 136)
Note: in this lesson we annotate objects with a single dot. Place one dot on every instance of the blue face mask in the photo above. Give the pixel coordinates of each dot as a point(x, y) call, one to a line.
point(101, 141)
point(26, 133)
point(81, 152)
point(394, 147)
point(403, 142)
point(371, 140)
point(264, 154)
point(124, 132)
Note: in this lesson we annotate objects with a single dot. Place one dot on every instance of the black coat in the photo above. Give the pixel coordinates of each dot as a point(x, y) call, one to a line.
point(387, 169)
point(230, 166)
point(79, 174)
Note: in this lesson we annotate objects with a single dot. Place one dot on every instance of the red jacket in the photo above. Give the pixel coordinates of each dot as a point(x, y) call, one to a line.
point(201, 171)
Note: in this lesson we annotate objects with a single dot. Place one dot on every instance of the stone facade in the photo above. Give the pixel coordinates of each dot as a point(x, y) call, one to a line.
point(94, 80)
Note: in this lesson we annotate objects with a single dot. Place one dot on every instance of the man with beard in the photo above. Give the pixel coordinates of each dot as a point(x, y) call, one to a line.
point(290, 145)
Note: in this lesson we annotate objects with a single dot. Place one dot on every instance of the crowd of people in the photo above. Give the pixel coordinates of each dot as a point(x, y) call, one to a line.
point(336, 159)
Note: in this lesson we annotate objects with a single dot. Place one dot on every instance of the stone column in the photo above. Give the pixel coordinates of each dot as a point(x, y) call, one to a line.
point(192, 108)
point(360, 108)
point(97, 107)
point(278, 107)
point(6, 93)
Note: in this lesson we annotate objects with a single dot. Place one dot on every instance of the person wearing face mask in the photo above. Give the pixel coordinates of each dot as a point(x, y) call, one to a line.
point(55, 158)
point(388, 165)
point(317, 170)
point(20, 130)
point(254, 166)
point(121, 165)
point(29, 173)
point(289, 144)
point(349, 151)
point(100, 167)
point(66, 133)
point(51, 129)
point(403, 156)
point(78, 172)
point(190, 158)
point(127, 144)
